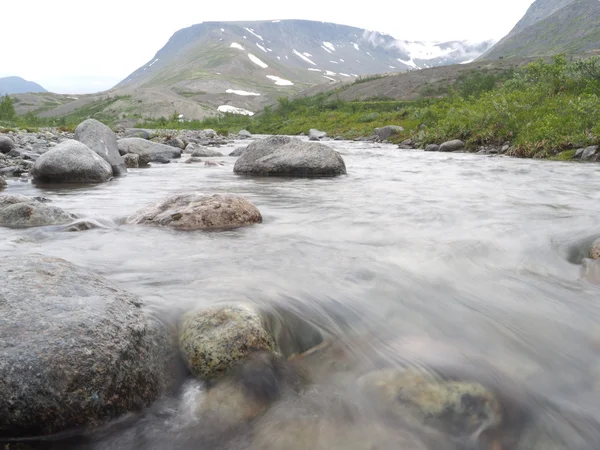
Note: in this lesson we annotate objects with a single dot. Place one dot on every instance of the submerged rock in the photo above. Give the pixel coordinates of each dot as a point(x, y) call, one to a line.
point(148, 150)
point(18, 211)
point(132, 160)
point(455, 407)
point(71, 162)
point(432, 148)
point(3, 183)
point(101, 139)
point(76, 350)
point(452, 146)
point(285, 156)
point(212, 341)
point(199, 212)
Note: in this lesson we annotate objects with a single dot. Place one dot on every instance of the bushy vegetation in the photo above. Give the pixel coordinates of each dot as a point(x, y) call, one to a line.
point(545, 109)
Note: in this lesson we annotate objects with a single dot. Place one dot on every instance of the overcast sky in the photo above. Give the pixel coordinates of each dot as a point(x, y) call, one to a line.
point(79, 46)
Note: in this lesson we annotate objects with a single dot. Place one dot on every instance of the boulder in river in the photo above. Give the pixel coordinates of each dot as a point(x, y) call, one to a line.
point(452, 146)
point(132, 160)
point(199, 212)
point(6, 144)
point(316, 135)
point(286, 156)
point(387, 132)
point(589, 152)
point(18, 211)
point(432, 148)
point(3, 182)
point(148, 150)
point(77, 351)
point(238, 151)
point(213, 340)
point(244, 134)
point(103, 141)
point(138, 133)
point(71, 162)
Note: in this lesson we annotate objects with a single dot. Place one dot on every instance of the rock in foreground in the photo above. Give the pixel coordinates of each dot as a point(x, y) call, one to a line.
point(148, 150)
point(101, 139)
point(71, 162)
point(199, 212)
point(132, 161)
point(214, 340)
point(76, 350)
point(285, 156)
point(18, 211)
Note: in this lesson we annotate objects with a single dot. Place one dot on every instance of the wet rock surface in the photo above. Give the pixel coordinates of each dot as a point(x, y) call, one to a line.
point(19, 211)
point(75, 350)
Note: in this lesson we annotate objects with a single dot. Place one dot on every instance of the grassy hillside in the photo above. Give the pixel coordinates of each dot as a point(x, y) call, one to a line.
point(543, 109)
point(573, 28)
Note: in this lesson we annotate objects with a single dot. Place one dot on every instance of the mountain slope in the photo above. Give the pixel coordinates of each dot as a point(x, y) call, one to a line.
point(17, 85)
point(572, 28)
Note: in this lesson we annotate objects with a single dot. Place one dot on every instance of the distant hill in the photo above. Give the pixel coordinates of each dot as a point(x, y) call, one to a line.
point(17, 85)
point(550, 27)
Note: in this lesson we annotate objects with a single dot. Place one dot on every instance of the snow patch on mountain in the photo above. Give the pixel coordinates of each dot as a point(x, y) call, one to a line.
point(236, 45)
point(326, 49)
point(244, 93)
point(329, 45)
point(234, 110)
point(261, 47)
point(329, 78)
point(305, 58)
point(280, 81)
point(257, 61)
point(250, 30)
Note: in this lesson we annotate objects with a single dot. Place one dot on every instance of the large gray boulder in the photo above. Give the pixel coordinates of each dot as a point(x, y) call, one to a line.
point(103, 141)
point(132, 160)
point(148, 150)
point(213, 340)
point(75, 350)
point(71, 162)
point(452, 146)
point(201, 152)
point(199, 212)
point(6, 144)
point(238, 151)
point(285, 156)
point(138, 133)
point(388, 131)
point(244, 134)
point(18, 211)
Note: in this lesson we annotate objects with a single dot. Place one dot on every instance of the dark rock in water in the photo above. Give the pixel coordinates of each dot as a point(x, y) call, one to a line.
point(212, 341)
point(6, 144)
point(252, 385)
point(285, 156)
point(452, 146)
point(18, 211)
point(238, 151)
point(316, 135)
point(202, 152)
point(76, 350)
point(71, 162)
point(3, 183)
point(132, 160)
point(161, 159)
point(388, 131)
point(147, 150)
point(101, 139)
point(199, 212)
point(176, 142)
point(338, 138)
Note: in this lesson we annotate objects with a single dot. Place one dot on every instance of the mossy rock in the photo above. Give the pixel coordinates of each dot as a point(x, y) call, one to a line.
point(213, 340)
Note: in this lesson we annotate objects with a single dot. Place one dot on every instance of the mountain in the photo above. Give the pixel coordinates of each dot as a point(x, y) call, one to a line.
point(17, 85)
point(551, 27)
point(242, 67)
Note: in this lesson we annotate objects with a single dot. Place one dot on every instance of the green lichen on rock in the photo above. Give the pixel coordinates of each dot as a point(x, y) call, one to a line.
point(212, 340)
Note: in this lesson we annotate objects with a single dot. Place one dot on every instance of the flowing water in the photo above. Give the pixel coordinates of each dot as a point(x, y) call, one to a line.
point(422, 255)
